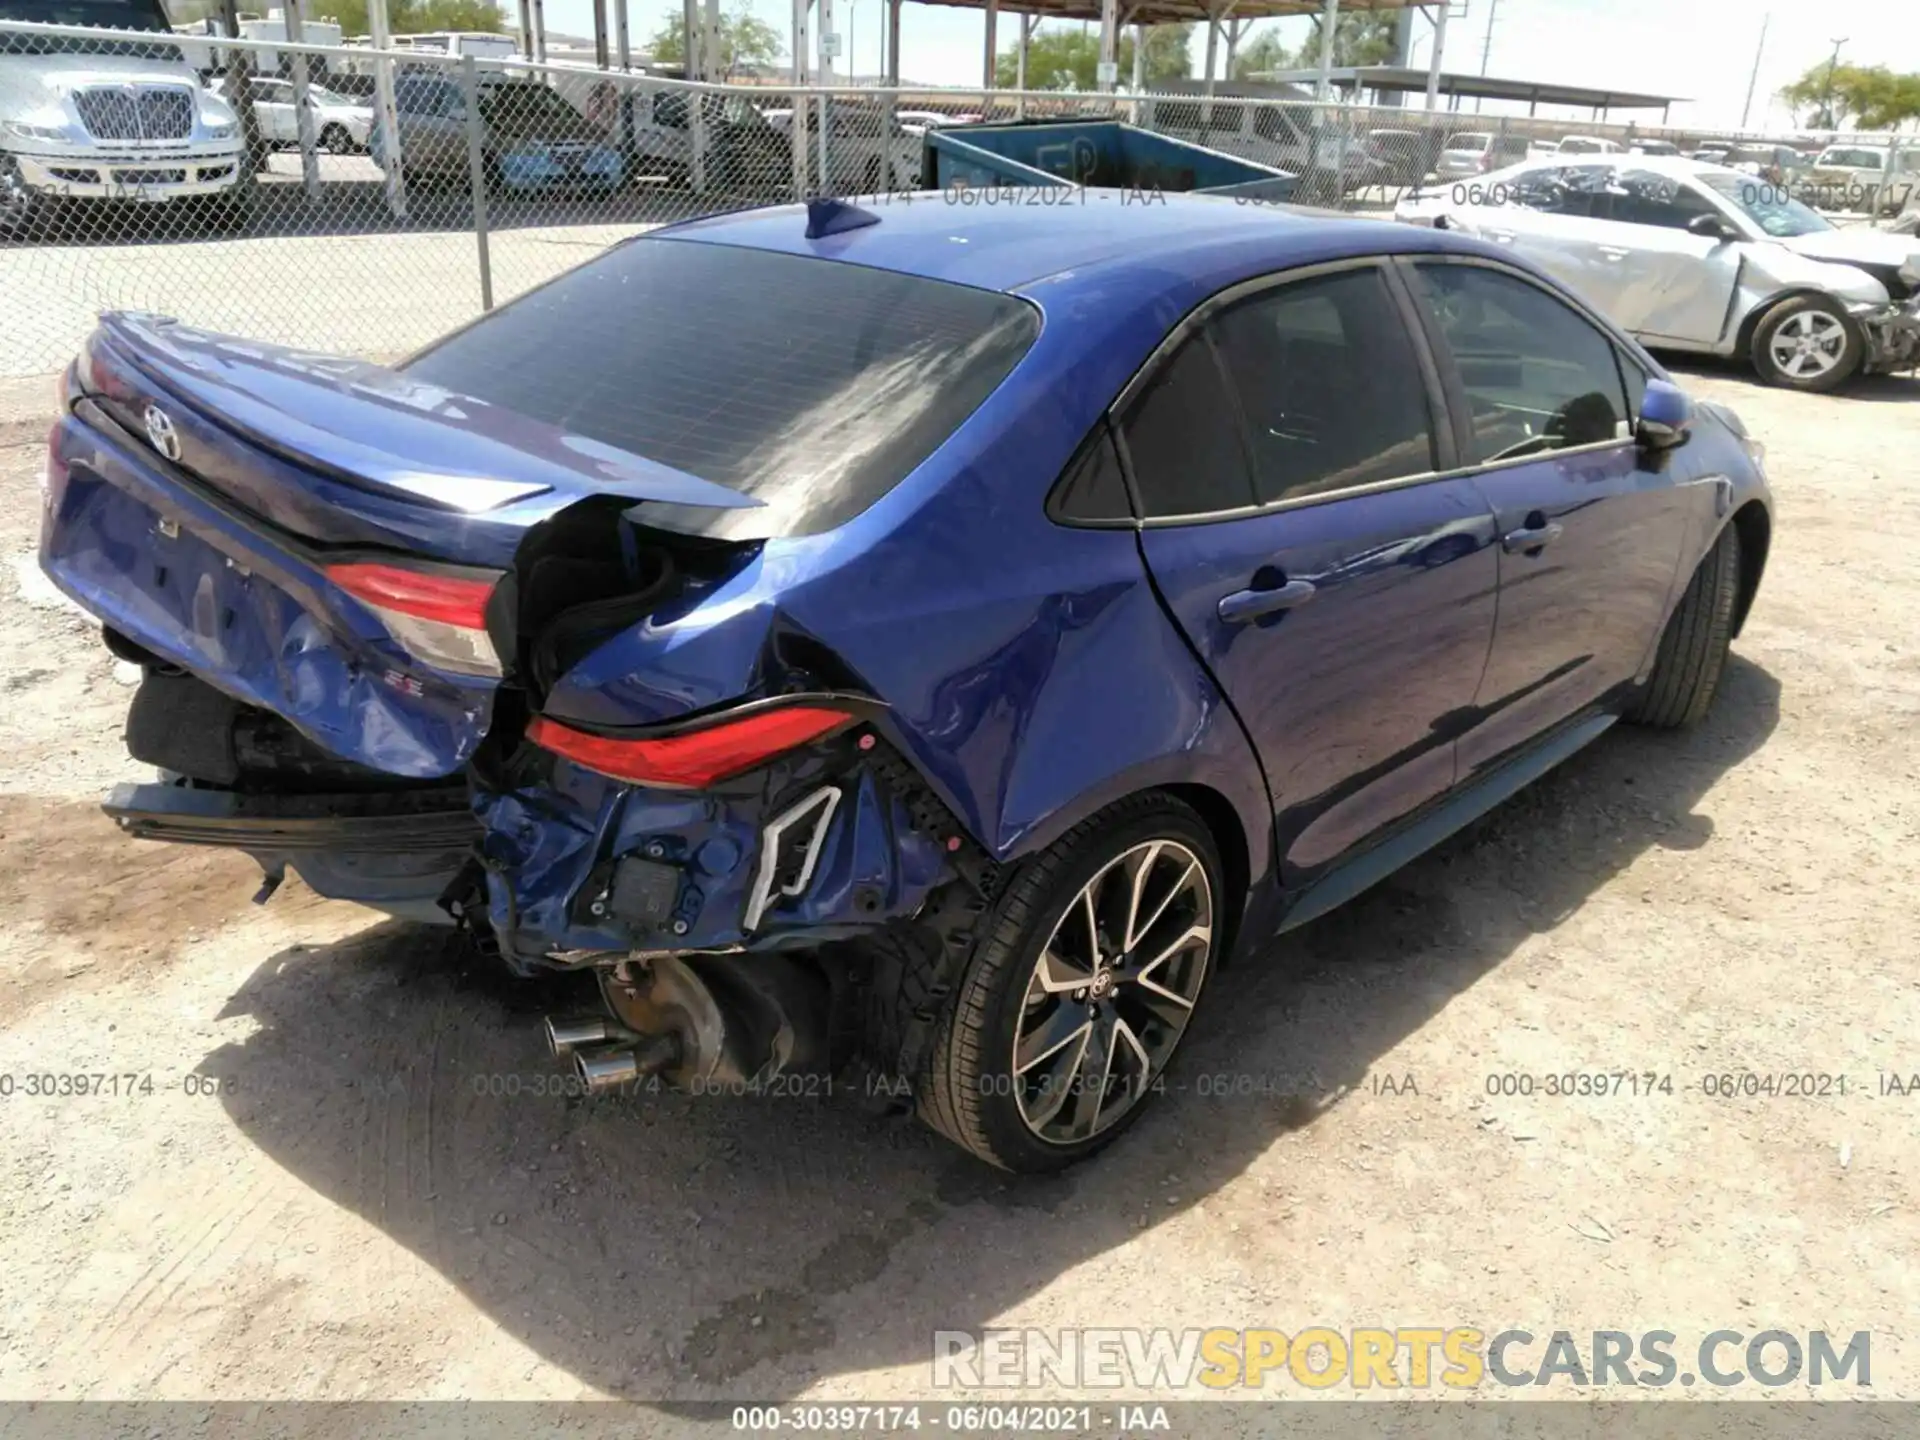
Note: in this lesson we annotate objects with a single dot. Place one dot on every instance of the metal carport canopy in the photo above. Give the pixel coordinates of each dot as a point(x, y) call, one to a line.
point(1356, 78)
point(1112, 14)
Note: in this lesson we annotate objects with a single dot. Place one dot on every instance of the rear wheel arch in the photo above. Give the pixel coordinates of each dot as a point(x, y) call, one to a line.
point(1223, 821)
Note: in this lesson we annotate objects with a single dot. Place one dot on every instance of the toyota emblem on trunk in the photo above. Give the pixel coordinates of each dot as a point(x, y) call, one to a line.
point(161, 432)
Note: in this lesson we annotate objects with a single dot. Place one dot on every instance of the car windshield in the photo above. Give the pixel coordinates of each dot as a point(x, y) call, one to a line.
point(1768, 206)
point(1858, 159)
point(812, 386)
point(110, 14)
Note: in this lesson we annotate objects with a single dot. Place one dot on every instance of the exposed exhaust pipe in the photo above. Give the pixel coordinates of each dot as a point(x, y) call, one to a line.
point(619, 1065)
point(565, 1036)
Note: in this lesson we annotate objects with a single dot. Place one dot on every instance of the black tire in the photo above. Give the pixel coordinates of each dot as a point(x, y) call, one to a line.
point(1693, 647)
point(336, 141)
point(1794, 311)
point(966, 1092)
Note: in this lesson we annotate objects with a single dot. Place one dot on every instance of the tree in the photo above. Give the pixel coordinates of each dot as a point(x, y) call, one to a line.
point(1871, 96)
point(1368, 39)
point(1264, 56)
point(411, 17)
point(1069, 59)
point(745, 39)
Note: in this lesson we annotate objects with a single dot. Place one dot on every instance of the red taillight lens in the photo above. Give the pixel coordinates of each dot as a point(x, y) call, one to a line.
point(692, 759)
point(437, 617)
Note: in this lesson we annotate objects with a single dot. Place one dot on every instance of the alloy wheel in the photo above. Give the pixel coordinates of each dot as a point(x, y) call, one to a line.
point(1112, 991)
point(1808, 344)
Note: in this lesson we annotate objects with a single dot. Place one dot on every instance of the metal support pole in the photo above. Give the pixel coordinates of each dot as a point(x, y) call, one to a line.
point(1213, 46)
point(239, 69)
point(1759, 50)
point(802, 181)
point(1139, 58)
point(1109, 45)
point(893, 43)
point(1486, 48)
point(540, 31)
point(601, 58)
point(828, 41)
point(622, 38)
point(1329, 22)
point(1439, 45)
point(993, 27)
point(302, 103)
point(526, 29)
point(385, 114)
point(477, 175)
point(1234, 31)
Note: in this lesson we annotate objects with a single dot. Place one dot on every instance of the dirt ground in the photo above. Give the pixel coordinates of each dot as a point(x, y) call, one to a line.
point(326, 1193)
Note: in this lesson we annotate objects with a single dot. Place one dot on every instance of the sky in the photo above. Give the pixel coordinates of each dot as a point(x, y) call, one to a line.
point(1702, 50)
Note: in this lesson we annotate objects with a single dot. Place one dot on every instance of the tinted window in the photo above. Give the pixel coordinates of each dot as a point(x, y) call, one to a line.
point(812, 386)
point(1644, 197)
point(1183, 439)
point(1329, 385)
point(670, 109)
point(1092, 488)
point(1538, 375)
point(1561, 189)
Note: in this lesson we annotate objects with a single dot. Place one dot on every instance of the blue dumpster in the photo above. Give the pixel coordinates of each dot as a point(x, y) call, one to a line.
point(1102, 153)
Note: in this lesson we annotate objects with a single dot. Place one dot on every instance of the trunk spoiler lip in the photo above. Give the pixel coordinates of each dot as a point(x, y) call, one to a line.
point(422, 443)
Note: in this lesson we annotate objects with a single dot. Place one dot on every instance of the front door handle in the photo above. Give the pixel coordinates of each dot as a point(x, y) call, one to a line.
point(1244, 605)
point(1529, 539)
point(1614, 252)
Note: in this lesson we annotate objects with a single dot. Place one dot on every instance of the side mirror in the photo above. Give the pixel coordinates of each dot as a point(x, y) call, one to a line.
point(1666, 417)
point(1711, 227)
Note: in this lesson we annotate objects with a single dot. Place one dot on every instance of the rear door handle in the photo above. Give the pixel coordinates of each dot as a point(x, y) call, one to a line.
point(1530, 538)
point(1244, 605)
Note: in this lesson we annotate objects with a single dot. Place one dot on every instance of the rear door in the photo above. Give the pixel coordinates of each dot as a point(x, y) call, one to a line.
point(1286, 450)
point(1590, 531)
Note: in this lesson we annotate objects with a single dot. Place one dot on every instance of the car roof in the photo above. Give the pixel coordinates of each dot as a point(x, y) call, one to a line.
point(1108, 241)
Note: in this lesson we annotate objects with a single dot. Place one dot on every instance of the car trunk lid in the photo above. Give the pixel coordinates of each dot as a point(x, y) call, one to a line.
point(316, 537)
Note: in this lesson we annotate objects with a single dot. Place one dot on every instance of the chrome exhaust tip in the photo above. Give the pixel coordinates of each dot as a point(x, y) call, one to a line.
point(602, 1070)
point(618, 1065)
point(566, 1036)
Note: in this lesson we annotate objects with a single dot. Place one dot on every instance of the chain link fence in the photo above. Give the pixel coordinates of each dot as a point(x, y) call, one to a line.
point(363, 202)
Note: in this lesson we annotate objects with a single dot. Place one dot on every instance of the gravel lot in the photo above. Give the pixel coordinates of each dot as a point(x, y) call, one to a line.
point(353, 1212)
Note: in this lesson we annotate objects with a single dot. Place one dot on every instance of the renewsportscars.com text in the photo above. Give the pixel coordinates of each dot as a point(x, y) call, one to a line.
point(1403, 1358)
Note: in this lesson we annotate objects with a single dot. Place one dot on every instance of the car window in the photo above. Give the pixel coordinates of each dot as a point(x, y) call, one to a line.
point(1646, 197)
point(1538, 375)
point(1558, 189)
point(670, 109)
point(812, 387)
point(1768, 206)
point(1859, 159)
point(1092, 487)
point(1329, 385)
point(1469, 140)
point(1183, 438)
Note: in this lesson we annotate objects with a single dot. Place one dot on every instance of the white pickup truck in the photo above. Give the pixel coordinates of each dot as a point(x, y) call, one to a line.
point(113, 118)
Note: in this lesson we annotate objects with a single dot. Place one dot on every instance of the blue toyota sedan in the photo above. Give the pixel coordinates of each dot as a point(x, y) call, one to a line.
point(932, 639)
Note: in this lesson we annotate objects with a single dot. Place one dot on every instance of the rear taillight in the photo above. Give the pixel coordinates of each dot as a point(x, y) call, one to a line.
point(691, 759)
point(437, 616)
point(1486, 163)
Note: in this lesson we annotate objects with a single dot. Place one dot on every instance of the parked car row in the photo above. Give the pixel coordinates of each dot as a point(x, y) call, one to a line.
point(1693, 256)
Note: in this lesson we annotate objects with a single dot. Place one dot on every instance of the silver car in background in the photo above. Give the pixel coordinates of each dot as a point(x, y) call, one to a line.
point(1690, 256)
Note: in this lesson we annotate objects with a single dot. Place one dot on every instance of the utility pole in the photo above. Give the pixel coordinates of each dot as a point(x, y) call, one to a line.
point(1759, 50)
point(1486, 48)
point(1833, 66)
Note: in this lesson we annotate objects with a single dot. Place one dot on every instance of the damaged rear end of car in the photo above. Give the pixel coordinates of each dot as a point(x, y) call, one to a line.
point(496, 638)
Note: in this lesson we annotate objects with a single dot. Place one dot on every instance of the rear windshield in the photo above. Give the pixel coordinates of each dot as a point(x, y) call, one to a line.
point(811, 385)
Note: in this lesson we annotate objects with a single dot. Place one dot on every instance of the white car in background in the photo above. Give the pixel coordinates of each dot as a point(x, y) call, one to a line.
point(1588, 145)
point(340, 125)
point(868, 150)
point(1698, 257)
